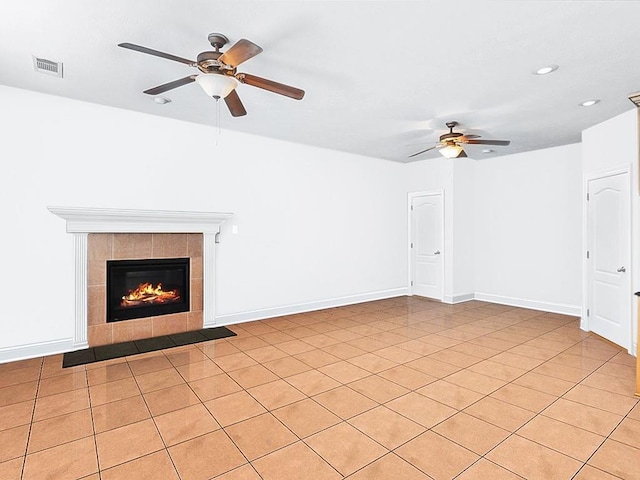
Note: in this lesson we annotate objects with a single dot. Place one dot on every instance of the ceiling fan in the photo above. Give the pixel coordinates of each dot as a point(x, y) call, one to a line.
point(218, 76)
point(450, 144)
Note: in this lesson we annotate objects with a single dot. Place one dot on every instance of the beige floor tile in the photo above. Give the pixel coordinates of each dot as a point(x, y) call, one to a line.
point(150, 363)
point(499, 413)
point(158, 380)
point(306, 417)
point(295, 462)
point(61, 429)
point(562, 437)
point(293, 347)
point(475, 381)
point(387, 427)
point(471, 432)
point(617, 459)
point(312, 382)
point(108, 373)
point(276, 394)
point(13, 443)
point(70, 460)
point(602, 399)
point(533, 352)
point(440, 458)
point(287, 366)
point(12, 469)
point(343, 350)
point(251, 376)
point(119, 413)
point(187, 356)
point(611, 384)
point(591, 473)
point(524, 397)
point(486, 470)
point(317, 358)
point(126, 443)
point(344, 372)
point(62, 383)
point(266, 353)
point(433, 367)
point(583, 416)
point(234, 361)
point(533, 461)
point(18, 393)
point(61, 403)
point(420, 409)
point(206, 456)
point(407, 377)
point(344, 402)
point(397, 354)
point(456, 358)
point(198, 370)
point(169, 399)
point(562, 372)
point(345, 448)
point(497, 370)
point(450, 394)
point(150, 467)
point(372, 362)
point(209, 388)
point(185, 424)
point(244, 472)
point(19, 375)
point(261, 435)
point(628, 432)
point(544, 383)
point(512, 359)
point(378, 389)
point(419, 347)
point(111, 391)
point(234, 408)
point(389, 467)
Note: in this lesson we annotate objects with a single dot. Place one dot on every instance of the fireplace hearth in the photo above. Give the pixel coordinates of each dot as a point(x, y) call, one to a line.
point(147, 288)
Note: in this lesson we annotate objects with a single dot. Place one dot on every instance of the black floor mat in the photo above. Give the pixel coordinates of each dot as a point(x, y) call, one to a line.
point(117, 350)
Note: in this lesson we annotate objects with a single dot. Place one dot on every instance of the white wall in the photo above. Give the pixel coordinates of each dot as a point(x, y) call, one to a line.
point(528, 229)
point(315, 227)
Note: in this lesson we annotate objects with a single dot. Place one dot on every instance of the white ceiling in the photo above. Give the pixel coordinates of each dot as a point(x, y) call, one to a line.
point(381, 77)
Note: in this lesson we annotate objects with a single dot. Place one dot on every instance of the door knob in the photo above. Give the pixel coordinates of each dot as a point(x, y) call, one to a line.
point(622, 270)
point(437, 252)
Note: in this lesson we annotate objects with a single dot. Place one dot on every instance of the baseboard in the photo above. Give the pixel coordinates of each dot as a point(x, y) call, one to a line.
point(240, 317)
point(459, 298)
point(41, 349)
point(572, 310)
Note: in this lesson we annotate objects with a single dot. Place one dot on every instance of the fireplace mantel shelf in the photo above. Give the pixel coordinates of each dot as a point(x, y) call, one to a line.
point(83, 221)
point(110, 220)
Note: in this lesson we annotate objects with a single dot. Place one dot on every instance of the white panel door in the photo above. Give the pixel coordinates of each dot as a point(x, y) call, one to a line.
point(426, 246)
point(609, 279)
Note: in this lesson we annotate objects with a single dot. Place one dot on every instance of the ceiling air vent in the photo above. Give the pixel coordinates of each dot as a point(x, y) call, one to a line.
point(49, 67)
point(635, 98)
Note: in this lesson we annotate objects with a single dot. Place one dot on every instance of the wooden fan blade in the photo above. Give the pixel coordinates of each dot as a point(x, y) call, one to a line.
point(240, 52)
point(170, 86)
point(157, 53)
point(235, 105)
point(270, 85)
point(423, 151)
point(504, 143)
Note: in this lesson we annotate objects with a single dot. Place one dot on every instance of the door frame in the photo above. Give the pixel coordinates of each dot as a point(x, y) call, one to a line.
point(410, 197)
point(586, 277)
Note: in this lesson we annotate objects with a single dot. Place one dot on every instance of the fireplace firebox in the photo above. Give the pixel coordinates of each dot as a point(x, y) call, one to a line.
point(146, 288)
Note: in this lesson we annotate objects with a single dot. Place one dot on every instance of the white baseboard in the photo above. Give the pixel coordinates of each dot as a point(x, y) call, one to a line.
point(240, 317)
point(41, 349)
point(572, 310)
point(459, 298)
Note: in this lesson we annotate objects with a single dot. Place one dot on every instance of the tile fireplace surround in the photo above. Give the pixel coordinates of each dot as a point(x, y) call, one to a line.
point(105, 234)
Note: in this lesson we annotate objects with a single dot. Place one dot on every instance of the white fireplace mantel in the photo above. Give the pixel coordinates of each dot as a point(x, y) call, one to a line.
point(82, 221)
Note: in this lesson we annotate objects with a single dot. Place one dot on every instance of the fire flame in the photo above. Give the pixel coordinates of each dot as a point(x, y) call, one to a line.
point(147, 294)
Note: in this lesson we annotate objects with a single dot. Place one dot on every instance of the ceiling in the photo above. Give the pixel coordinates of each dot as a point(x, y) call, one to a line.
point(381, 77)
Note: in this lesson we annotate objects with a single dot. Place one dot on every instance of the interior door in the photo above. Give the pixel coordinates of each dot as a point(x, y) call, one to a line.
point(427, 245)
point(608, 264)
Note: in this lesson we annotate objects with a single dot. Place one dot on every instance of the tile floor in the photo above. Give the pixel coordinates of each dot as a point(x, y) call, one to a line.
point(404, 388)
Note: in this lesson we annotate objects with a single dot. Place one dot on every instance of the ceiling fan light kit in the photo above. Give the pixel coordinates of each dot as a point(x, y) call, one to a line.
point(218, 76)
point(450, 143)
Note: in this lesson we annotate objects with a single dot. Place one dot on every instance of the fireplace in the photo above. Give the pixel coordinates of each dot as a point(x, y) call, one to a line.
point(147, 288)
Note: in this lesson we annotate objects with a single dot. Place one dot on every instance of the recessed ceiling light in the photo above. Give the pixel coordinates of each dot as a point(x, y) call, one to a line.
point(161, 100)
point(488, 150)
point(590, 103)
point(546, 70)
